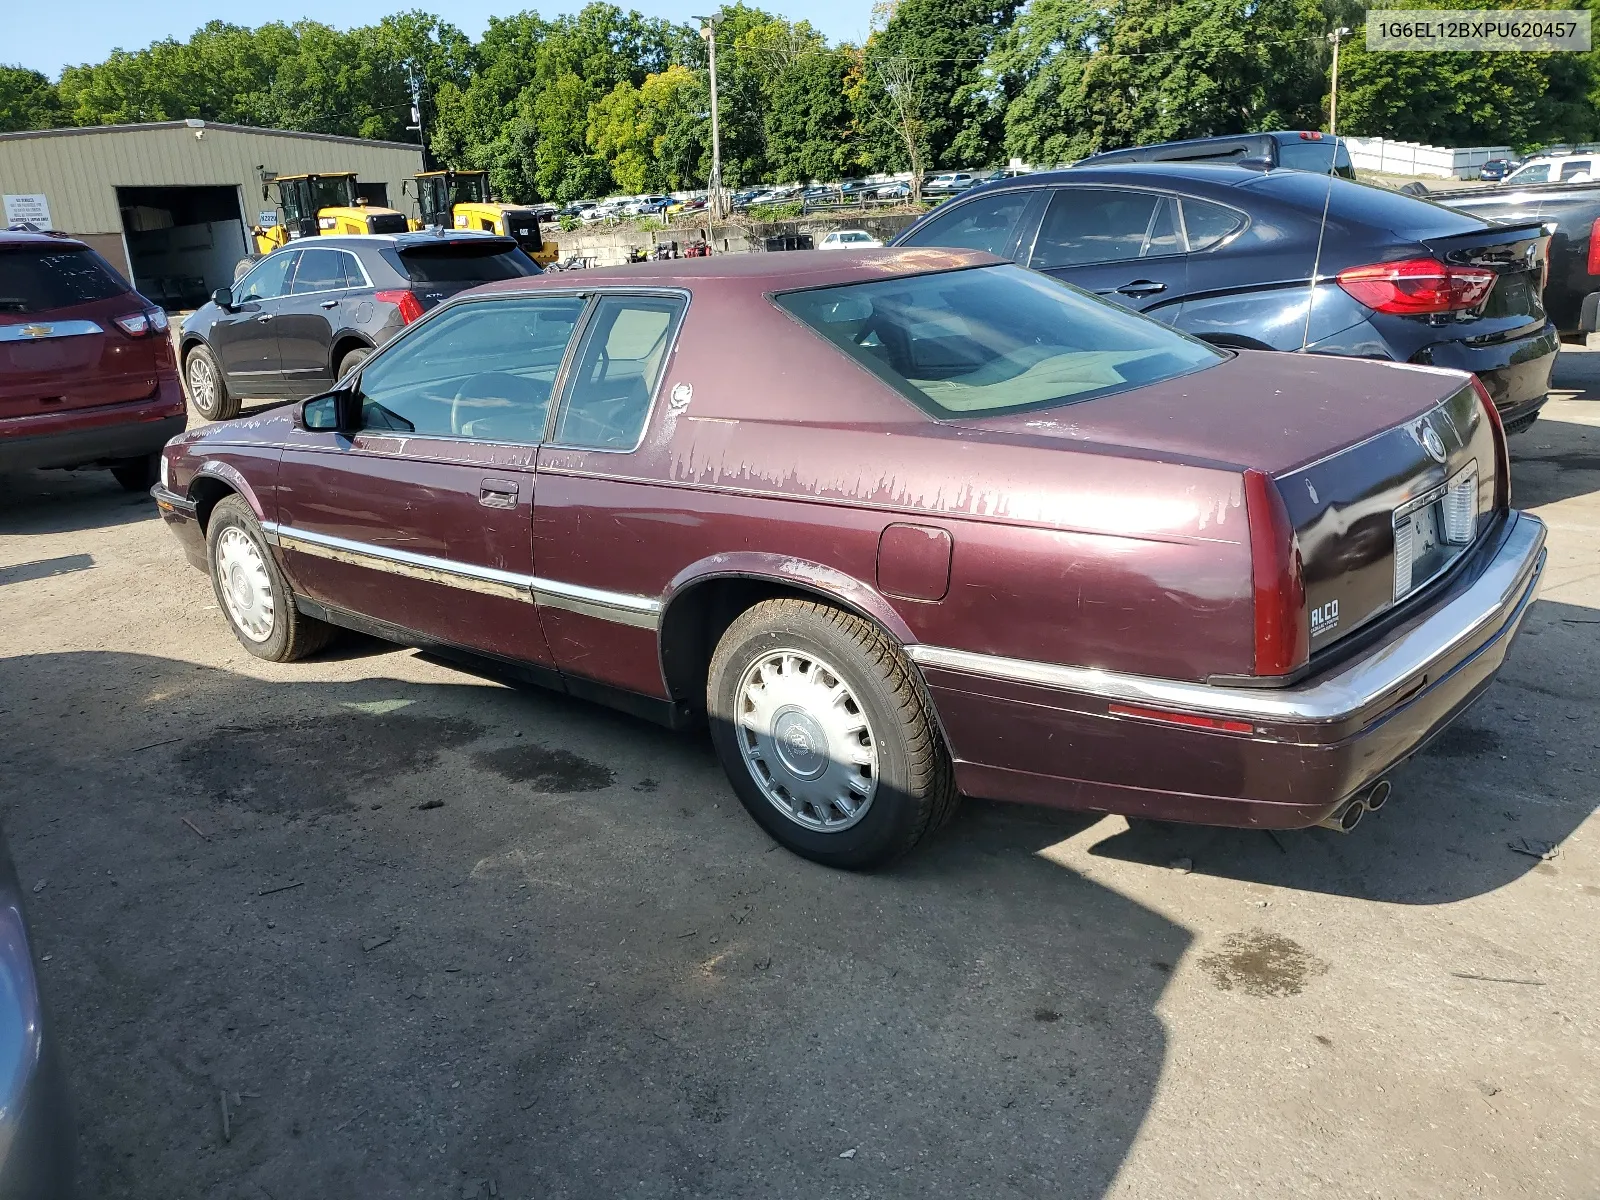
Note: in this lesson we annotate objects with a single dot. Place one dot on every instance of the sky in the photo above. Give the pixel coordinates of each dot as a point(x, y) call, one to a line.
point(78, 31)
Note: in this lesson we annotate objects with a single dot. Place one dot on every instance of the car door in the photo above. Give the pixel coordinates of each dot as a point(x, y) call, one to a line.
point(599, 585)
point(244, 338)
point(418, 522)
point(310, 314)
point(1120, 243)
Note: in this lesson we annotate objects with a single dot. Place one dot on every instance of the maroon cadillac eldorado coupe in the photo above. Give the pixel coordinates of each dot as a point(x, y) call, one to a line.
point(900, 524)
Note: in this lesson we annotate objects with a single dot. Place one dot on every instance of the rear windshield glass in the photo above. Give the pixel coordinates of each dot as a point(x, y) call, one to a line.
point(1361, 204)
point(38, 279)
point(1321, 155)
point(995, 339)
point(465, 262)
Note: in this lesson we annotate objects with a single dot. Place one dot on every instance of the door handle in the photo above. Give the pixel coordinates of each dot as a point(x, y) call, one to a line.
point(329, 304)
point(1141, 287)
point(497, 493)
point(264, 317)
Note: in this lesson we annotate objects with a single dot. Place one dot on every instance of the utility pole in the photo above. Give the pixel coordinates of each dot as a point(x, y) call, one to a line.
point(708, 30)
point(416, 111)
point(1333, 92)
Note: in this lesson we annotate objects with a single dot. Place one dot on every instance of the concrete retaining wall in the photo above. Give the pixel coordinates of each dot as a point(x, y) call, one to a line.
point(610, 245)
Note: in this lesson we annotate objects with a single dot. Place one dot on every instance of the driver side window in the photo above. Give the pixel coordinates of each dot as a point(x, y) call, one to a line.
point(268, 281)
point(483, 370)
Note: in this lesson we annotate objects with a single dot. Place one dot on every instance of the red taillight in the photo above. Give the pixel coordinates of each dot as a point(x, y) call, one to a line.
point(1417, 286)
point(1283, 631)
point(1502, 453)
point(410, 307)
point(1310, 135)
point(1593, 265)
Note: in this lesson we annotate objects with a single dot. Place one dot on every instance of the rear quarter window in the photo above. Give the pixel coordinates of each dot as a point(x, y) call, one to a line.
point(462, 262)
point(36, 279)
point(1361, 204)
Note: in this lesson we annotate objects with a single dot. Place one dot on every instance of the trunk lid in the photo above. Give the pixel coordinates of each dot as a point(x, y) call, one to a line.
point(1516, 254)
point(1349, 444)
point(60, 345)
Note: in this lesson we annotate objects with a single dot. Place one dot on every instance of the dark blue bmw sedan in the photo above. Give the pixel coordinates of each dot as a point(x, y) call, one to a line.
point(1263, 259)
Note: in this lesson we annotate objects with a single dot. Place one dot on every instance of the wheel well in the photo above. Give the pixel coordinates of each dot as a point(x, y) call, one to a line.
point(187, 347)
point(344, 345)
point(206, 492)
point(697, 617)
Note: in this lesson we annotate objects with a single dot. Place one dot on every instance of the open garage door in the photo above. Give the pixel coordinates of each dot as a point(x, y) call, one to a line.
point(183, 242)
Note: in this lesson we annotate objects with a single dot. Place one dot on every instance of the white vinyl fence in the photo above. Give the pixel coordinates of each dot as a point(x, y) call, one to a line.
point(1414, 158)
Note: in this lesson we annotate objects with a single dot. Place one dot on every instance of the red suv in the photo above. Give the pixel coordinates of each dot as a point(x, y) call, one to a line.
point(87, 376)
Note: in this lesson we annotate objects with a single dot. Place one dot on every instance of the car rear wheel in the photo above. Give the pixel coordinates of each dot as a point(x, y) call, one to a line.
point(351, 360)
point(827, 734)
point(137, 474)
point(208, 392)
point(252, 592)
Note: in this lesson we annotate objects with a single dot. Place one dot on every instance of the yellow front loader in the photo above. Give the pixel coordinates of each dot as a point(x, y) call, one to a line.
point(460, 200)
point(315, 204)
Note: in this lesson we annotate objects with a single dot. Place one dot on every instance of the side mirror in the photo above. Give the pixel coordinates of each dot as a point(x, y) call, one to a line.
point(223, 299)
point(334, 412)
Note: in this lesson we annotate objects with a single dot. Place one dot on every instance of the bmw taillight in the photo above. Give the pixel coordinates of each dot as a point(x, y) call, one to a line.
point(1593, 264)
point(1502, 454)
point(1282, 628)
point(406, 301)
point(1417, 286)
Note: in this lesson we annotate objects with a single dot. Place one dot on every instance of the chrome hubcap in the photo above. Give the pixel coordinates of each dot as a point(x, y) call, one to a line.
point(806, 740)
point(245, 586)
point(202, 384)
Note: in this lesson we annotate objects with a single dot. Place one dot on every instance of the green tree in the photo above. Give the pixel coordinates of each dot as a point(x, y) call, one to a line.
point(28, 100)
point(1466, 99)
point(1043, 58)
point(809, 122)
point(1194, 68)
point(941, 47)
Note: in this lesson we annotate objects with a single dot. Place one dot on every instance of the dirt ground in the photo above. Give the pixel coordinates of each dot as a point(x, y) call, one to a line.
point(433, 936)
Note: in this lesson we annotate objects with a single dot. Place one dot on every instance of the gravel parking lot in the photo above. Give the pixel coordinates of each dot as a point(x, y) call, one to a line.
point(420, 934)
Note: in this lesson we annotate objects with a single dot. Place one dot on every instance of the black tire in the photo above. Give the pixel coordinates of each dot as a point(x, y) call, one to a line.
point(137, 474)
point(914, 792)
point(1521, 424)
point(350, 360)
point(292, 635)
point(207, 389)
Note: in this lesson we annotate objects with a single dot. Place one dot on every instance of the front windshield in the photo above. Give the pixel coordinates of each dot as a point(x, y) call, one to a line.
point(468, 189)
point(330, 191)
point(995, 339)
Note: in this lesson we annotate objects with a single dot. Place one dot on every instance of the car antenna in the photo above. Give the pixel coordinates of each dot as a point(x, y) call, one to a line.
point(1316, 261)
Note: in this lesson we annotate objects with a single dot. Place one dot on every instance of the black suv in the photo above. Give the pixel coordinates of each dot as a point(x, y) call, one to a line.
point(306, 315)
point(1295, 150)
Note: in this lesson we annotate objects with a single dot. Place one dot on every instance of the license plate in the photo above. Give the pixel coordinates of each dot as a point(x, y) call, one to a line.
point(1419, 554)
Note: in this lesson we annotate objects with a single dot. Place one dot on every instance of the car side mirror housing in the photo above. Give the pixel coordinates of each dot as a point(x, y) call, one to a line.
point(223, 299)
point(334, 412)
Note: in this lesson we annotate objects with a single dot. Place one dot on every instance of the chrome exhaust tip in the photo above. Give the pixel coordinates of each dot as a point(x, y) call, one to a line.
point(1378, 796)
point(1345, 818)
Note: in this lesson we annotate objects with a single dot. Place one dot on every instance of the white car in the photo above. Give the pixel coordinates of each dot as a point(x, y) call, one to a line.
point(1567, 168)
point(848, 239)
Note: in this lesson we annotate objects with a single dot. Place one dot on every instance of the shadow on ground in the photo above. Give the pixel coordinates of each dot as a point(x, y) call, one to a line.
point(429, 936)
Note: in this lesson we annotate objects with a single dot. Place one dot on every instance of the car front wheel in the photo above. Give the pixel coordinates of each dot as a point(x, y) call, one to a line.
point(208, 391)
point(252, 592)
point(827, 734)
